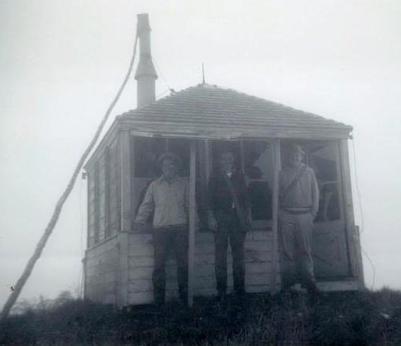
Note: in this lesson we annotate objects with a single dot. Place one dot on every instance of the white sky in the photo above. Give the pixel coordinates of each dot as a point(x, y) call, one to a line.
point(61, 63)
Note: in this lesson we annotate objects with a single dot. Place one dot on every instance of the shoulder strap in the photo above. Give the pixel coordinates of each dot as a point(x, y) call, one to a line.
point(291, 184)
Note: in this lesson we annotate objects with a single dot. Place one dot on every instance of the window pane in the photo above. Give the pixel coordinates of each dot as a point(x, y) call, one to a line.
point(258, 168)
point(147, 151)
point(323, 159)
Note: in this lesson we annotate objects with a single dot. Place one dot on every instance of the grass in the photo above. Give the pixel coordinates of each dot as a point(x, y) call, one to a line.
point(351, 318)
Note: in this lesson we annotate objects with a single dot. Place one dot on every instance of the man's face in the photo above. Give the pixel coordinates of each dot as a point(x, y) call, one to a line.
point(295, 158)
point(169, 168)
point(227, 161)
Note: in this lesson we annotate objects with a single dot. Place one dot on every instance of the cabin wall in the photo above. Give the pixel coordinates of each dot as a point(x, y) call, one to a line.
point(258, 262)
point(119, 262)
point(104, 195)
point(102, 272)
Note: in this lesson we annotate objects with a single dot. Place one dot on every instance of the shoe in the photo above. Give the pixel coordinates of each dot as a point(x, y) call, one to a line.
point(221, 297)
point(314, 294)
point(159, 301)
point(184, 302)
point(240, 295)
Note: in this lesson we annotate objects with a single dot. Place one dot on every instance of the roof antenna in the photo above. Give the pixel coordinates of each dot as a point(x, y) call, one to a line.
point(203, 74)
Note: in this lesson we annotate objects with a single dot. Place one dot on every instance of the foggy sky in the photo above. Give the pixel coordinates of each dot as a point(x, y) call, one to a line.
point(61, 63)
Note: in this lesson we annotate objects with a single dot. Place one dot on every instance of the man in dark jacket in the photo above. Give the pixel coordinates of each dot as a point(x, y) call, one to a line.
point(229, 218)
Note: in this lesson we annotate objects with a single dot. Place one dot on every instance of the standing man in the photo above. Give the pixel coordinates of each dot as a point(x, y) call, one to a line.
point(167, 200)
point(229, 217)
point(299, 204)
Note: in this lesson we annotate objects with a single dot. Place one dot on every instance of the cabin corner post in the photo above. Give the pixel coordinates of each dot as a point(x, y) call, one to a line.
point(84, 289)
point(275, 284)
point(125, 217)
point(125, 151)
point(192, 216)
point(352, 234)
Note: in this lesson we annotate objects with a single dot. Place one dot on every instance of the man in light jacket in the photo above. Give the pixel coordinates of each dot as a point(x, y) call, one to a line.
point(299, 204)
point(167, 199)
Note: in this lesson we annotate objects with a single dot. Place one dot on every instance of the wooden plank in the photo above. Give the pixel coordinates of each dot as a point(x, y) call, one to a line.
point(140, 285)
point(123, 271)
point(141, 262)
point(251, 256)
point(145, 251)
point(275, 209)
point(160, 129)
point(107, 139)
point(205, 292)
point(138, 240)
point(125, 162)
point(192, 215)
point(336, 286)
point(109, 299)
point(259, 246)
point(136, 298)
point(359, 257)
point(96, 182)
point(258, 288)
point(90, 205)
point(349, 211)
point(100, 248)
point(85, 280)
point(140, 273)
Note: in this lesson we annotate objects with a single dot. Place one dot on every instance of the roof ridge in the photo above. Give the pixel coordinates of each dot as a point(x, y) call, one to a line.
point(211, 100)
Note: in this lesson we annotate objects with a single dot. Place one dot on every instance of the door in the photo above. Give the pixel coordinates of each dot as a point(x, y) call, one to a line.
point(329, 244)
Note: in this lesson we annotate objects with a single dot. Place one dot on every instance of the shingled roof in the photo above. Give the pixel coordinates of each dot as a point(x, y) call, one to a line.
point(206, 111)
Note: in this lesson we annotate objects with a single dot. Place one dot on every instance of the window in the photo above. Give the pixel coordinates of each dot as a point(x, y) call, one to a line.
point(323, 158)
point(104, 196)
point(146, 151)
point(258, 169)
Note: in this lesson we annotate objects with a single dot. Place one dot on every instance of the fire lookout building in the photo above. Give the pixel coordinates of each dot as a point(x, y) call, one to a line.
point(194, 124)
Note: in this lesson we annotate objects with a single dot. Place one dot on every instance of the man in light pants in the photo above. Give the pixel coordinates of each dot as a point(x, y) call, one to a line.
point(299, 204)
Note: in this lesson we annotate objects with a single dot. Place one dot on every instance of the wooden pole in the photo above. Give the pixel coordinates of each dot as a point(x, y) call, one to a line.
point(60, 203)
point(192, 215)
point(355, 266)
point(275, 207)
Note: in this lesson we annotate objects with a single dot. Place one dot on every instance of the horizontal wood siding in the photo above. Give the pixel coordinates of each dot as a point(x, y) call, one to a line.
point(102, 272)
point(258, 255)
point(91, 208)
point(102, 198)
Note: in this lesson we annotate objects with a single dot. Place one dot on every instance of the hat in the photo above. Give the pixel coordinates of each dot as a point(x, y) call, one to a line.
point(295, 148)
point(170, 156)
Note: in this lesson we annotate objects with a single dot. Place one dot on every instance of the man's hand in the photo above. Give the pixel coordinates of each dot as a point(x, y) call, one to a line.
point(139, 227)
point(314, 215)
point(212, 223)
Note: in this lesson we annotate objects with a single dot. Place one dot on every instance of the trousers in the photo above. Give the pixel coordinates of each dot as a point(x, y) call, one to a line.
point(165, 240)
point(229, 230)
point(296, 249)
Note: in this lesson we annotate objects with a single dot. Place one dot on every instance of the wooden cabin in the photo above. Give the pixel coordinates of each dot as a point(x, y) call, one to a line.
point(194, 123)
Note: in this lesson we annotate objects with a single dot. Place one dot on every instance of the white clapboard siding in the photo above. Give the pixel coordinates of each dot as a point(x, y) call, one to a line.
point(258, 262)
point(102, 272)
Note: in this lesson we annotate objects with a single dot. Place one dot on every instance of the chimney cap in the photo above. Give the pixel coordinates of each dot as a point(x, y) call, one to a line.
point(143, 23)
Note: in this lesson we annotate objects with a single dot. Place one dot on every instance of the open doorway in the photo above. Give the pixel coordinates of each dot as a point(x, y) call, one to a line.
point(255, 159)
